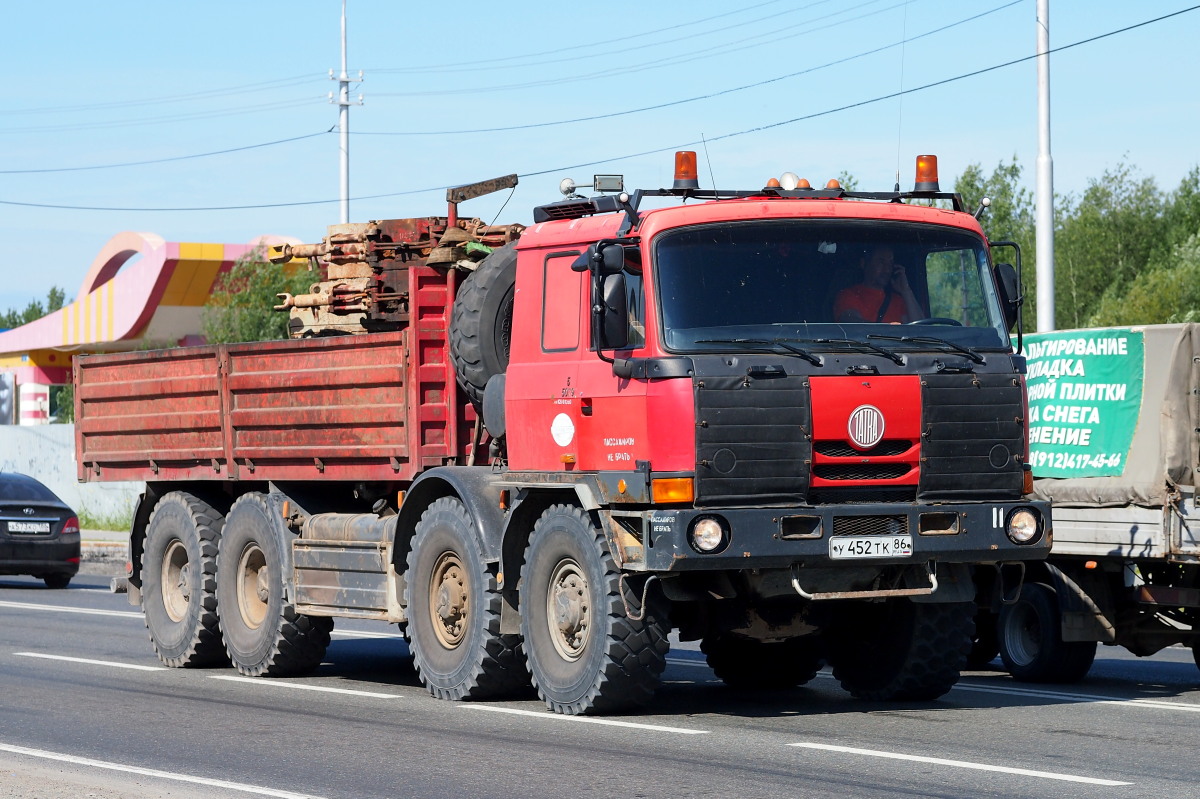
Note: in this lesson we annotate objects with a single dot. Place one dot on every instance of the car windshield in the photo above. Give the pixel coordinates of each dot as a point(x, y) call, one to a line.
point(823, 284)
point(18, 487)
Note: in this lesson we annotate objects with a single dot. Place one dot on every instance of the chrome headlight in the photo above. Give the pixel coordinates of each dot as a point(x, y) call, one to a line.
point(1024, 526)
point(708, 534)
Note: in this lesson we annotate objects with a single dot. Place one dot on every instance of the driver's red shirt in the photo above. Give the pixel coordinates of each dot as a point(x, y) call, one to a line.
point(867, 301)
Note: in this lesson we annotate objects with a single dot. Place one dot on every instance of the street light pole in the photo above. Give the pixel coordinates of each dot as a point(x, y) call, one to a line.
point(1045, 177)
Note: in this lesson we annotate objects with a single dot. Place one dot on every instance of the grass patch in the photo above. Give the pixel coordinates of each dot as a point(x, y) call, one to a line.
point(119, 521)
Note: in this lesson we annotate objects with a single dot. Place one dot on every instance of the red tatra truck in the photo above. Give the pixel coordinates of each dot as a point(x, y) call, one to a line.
point(785, 422)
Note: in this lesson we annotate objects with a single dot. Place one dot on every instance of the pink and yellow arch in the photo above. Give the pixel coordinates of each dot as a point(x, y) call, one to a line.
point(139, 290)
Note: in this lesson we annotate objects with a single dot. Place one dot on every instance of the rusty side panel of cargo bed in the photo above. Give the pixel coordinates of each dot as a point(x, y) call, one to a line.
point(383, 406)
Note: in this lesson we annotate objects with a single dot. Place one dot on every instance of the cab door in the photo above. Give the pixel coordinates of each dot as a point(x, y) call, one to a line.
point(542, 397)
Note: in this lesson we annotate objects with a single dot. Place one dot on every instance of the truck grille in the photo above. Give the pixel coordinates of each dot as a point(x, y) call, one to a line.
point(870, 525)
point(862, 495)
point(860, 471)
point(841, 449)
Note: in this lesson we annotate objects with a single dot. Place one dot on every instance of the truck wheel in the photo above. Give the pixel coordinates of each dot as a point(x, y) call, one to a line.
point(453, 604)
point(481, 323)
point(586, 655)
point(985, 644)
point(746, 664)
point(263, 634)
point(1031, 643)
point(179, 581)
point(900, 650)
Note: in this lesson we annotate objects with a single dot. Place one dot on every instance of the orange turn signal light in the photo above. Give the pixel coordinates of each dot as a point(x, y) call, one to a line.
point(669, 490)
point(1091, 564)
point(1027, 482)
point(686, 176)
point(927, 176)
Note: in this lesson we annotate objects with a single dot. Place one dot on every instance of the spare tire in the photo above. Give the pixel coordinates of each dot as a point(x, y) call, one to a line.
point(481, 323)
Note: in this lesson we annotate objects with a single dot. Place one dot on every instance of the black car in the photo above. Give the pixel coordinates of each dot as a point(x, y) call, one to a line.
point(39, 533)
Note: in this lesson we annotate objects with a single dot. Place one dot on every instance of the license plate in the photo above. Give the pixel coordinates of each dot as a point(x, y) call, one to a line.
point(29, 527)
point(870, 546)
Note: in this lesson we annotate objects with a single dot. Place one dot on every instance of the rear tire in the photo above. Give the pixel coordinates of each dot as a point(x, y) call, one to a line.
point(901, 650)
point(481, 323)
point(751, 665)
point(1031, 643)
point(453, 605)
point(56, 581)
point(586, 655)
point(263, 634)
point(179, 581)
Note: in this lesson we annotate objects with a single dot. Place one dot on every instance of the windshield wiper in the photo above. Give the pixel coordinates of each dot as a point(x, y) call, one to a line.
point(891, 356)
point(970, 353)
point(762, 342)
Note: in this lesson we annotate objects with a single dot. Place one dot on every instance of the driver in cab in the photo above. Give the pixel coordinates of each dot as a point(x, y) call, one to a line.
point(883, 296)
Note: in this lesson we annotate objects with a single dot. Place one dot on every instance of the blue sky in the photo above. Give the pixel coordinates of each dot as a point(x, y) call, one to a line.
point(112, 83)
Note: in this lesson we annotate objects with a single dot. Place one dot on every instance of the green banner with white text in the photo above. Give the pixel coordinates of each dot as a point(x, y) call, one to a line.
point(1085, 392)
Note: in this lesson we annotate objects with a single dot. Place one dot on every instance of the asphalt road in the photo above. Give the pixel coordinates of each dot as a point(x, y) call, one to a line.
point(87, 711)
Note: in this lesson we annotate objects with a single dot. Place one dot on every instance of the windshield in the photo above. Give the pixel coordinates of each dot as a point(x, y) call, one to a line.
point(818, 282)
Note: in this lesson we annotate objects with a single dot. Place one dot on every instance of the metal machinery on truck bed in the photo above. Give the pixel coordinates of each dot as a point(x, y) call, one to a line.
point(561, 448)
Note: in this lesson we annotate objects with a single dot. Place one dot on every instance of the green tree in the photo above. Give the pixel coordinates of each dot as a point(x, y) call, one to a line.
point(1167, 292)
point(1105, 239)
point(55, 299)
point(241, 307)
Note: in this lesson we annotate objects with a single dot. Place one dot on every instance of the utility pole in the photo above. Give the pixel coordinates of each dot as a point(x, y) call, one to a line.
point(1044, 231)
point(343, 103)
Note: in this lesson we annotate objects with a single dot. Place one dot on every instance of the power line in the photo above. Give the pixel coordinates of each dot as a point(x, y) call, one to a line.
point(125, 123)
point(660, 62)
point(489, 65)
point(277, 83)
point(163, 160)
point(697, 98)
point(747, 131)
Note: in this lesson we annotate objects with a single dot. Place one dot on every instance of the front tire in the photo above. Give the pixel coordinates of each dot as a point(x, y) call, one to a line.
point(586, 655)
point(1031, 643)
point(453, 605)
point(264, 636)
point(179, 581)
point(750, 665)
point(901, 650)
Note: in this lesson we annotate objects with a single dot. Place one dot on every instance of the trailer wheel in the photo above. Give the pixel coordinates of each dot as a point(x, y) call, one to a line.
point(453, 603)
point(900, 650)
point(481, 323)
point(179, 581)
point(263, 634)
point(746, 664)
point(1031, 643)
point(586, 654)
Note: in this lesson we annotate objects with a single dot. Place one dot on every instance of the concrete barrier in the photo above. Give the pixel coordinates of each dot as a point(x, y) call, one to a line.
point(47, 453)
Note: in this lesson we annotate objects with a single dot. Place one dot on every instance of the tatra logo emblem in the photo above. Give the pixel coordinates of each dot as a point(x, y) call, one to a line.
point(866, 426)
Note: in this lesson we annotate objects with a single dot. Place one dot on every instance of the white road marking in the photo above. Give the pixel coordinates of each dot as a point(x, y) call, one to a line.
point(124, 614)
point(274, 683)
point(150, 772)
point(1088, 698)
point(1048, 775)
point(688, 662)
point(91, 662)
point(548, 716)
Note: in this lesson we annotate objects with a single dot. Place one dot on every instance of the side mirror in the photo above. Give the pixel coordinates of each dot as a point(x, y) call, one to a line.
point(614, 310)
point(1009, 284)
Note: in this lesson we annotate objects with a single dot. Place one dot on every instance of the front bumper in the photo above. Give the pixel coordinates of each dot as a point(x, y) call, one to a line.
point(783, 537)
